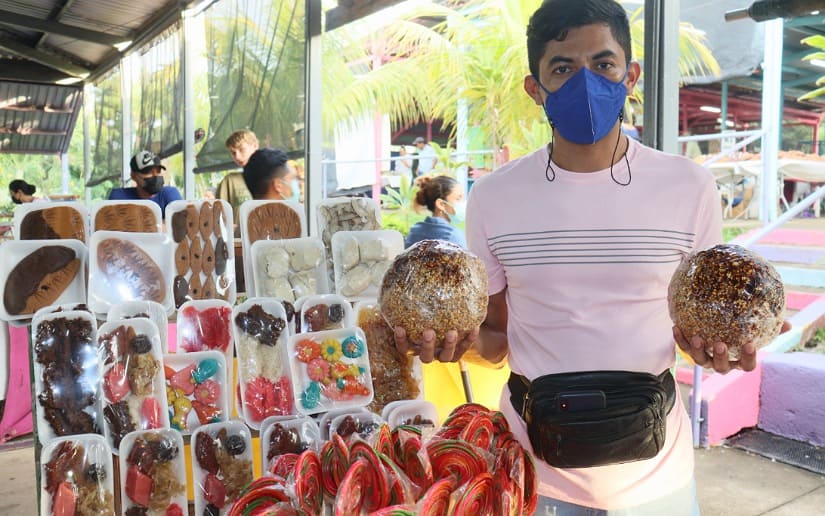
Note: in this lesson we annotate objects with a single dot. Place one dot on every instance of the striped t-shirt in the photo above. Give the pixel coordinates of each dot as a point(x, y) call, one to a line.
point(586, 263)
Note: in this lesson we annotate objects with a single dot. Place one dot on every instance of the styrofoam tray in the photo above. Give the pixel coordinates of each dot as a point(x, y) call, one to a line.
point(315, 313)
point(360, 260)
point(199, 475)
point(262, 368)
point(246, 238)
point(96, 456)
point(345, 214)
point(86, 359)
point(139, 308)
point(155, 390)
point(171, 438)
point(211, 233)
point(347, 381)
point(304, 428)
point(289, 269)
point(12, 252)
point(105, 291)
point(23, 210)
point(209, 400)
point(145, 203)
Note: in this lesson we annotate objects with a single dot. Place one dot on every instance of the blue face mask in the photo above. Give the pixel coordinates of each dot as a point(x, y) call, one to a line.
point(586, 107)
point(295, 188)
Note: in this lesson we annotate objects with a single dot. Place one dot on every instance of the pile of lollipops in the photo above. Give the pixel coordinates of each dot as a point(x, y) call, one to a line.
point(473, 465)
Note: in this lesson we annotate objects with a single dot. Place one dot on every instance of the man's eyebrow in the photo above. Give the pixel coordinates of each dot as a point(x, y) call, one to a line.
point(559, 59)
point(603, 54)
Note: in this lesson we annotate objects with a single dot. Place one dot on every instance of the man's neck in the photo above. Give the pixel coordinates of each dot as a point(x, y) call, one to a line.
point(143, 194)
point(590, 158)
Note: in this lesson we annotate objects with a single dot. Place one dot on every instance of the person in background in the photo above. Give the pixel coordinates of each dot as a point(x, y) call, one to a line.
point(298, 167)
point(232, 188)
point(147, 173)
point(403, 165)
point(268, 175)
point(444, 197)
point(427, 158)
point(209, 194)
point(22, 192)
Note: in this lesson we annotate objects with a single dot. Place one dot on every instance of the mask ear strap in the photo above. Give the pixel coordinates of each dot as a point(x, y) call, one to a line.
point(613, 158)
point(549, 167)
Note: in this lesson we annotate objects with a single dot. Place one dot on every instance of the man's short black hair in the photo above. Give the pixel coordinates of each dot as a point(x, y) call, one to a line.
point(554, 18)
point(263, 166)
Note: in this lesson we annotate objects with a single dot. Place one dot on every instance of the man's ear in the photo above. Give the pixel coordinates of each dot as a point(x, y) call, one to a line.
point(531, 86)
point(634, 72)
point(277, 186)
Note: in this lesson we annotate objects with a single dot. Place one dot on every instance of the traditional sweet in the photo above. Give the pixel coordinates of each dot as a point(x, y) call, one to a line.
point(129, 268)
point(58, 222)
point(152, 481)
point(224, 458)
point(75, 484)
point(39, 279)
point(728, 294)
point(435, 284)
point(136, 218)
point(273, 221)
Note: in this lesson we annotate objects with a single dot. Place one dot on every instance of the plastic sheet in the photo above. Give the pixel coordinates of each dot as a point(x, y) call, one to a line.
point(147, 309)
point(51, 221)
point(290, 268)
point(133, 378)
point(345, 214)
point(287, 437)
point(221, 465)
point(729, 294)
point(324, 312)
point(203, 245)
point(137, 216)
point(197, 391)
point(261, 335)
point(38, 274)
point(76, 477)
point(361, 258)
point(153, 473)
point(206, 324)
point(435, 285)
point(329, 370)
point(67, 374)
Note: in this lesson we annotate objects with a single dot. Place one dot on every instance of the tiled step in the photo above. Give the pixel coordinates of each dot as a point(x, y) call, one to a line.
point(798, 237)
point(791, 254)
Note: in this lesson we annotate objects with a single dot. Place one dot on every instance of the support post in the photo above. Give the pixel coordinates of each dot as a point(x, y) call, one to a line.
point(126, 120)
point(187, 58)
point(661, 113)
point(771, 118)
point(313, 176)
point(88, 113)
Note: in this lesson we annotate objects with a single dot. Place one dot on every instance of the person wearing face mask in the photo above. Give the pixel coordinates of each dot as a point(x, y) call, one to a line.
point(147, 173)
point(22, 192)
point(580, 240)
point(269, 175)
point(444, 198)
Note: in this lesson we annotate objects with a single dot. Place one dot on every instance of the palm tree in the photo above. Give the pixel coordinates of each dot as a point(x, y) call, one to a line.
point(416, 68)
point(818, 42)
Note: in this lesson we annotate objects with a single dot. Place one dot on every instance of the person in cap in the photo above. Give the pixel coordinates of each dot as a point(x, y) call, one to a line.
point(427, 158)
point(147, 173)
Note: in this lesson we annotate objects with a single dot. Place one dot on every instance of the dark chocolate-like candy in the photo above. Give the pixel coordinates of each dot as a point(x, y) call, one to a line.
point(95, 473)
point(136, 510)
point(221, 256)
point(235, 445)
point(180, 288)
point(179, 226)
point(211, 510)
point(141, 344)
point(120, 421)
point(336, 313)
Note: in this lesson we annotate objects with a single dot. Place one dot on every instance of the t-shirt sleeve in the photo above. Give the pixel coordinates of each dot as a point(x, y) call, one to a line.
point(709, 220)
point(117, 194)
point(171, 194)
point(477, 243)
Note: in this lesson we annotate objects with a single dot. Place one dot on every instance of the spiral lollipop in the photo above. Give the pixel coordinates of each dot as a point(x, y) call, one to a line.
point(353, 492)
point(402, 490)
point(334, 463)
point(451, 458)
point(383, 441)
point(395, 510)
point(477, 497)
point(308, 489)
point(436, 501)
point(530, 488)
point(284, 465)
point(260, 494)
point(479, 431)
point(379, 494)
point(416, 464)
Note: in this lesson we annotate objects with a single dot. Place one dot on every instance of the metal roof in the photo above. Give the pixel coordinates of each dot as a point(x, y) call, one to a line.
point(37, 118)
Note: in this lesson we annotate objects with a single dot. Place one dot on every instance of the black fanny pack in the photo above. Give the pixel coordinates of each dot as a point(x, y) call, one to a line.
point(581, 420)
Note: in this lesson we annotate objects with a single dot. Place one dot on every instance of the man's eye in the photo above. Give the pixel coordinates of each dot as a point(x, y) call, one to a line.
point(561, 69)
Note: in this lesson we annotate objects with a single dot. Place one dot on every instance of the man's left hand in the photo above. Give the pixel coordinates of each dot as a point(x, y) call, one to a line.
point(720, 362)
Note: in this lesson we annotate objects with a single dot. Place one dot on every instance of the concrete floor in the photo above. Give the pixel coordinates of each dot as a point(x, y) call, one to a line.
point(730, 482)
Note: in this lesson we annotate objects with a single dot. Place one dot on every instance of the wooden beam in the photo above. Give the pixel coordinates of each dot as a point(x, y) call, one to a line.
point(351, 10)
point(56, 14)
point(60, 29)
point(52, 61)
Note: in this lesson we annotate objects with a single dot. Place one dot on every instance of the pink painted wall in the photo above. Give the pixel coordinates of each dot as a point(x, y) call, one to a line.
point(732, 402)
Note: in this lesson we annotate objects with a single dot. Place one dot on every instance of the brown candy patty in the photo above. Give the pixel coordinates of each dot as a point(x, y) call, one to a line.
point(205, 219)
point(127, 265)
point(273, 221)
point(53, 223)
point(179, 226)
point(135, 218)
point(38, 279)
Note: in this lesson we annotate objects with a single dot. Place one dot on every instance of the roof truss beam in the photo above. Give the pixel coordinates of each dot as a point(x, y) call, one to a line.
point(52, 61)
point(60, 29)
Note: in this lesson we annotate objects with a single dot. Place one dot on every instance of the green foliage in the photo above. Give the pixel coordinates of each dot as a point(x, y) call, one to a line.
point(398, 208)
point(731, 232)
point(818, 42)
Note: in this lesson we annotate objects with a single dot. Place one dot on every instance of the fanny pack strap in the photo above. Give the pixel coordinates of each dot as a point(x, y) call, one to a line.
point(520, 390)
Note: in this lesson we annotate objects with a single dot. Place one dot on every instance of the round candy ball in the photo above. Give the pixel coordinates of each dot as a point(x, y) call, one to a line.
point(437, 285)
point(728, 294)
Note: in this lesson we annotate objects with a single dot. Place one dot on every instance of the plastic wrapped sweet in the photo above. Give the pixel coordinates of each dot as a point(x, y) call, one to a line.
point(135, 216)
point(66, 375)
point(51, 221)
point(330, 369)
point(360, 260)
point(133, 387)
point(153, 473)
point(221, 465)
point(37, 274)
point(283, 439)
point(288, 269)
point(728, 294)
point(261, 333)
point(345, 214)
point(435, 284)
point(76, 477)
point(324, 312)
point(395, 376)
point(202, 236)
point(411, 413)
point(146, 309)
point(196, 389)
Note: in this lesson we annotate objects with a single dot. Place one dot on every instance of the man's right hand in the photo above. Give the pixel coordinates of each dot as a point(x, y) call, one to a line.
point(428, 350)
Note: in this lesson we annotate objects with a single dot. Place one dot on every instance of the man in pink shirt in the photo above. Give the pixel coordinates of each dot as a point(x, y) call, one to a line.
point(580, 240)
